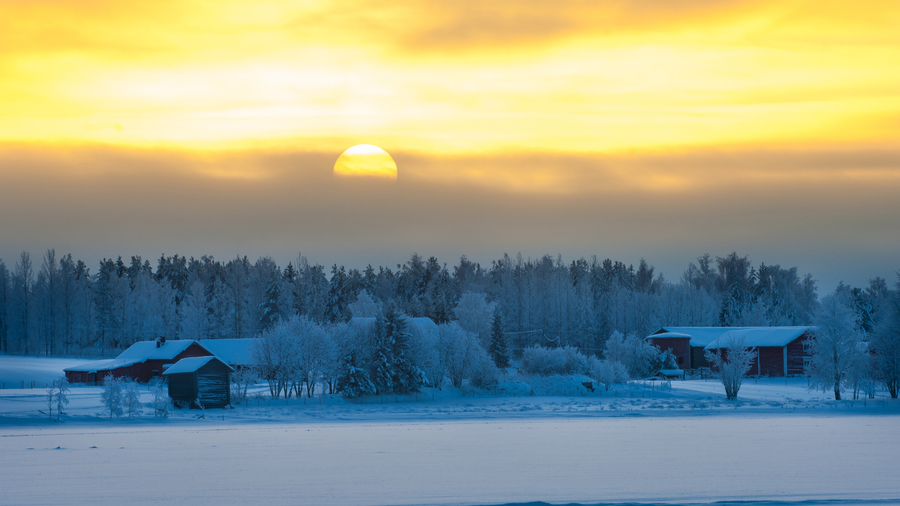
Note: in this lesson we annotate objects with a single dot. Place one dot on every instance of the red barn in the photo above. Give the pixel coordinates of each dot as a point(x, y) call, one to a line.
point(141, 362)
point(780, 351)
point(677, 344)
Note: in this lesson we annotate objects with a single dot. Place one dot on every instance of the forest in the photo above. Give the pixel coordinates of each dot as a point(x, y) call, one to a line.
point(60, 306)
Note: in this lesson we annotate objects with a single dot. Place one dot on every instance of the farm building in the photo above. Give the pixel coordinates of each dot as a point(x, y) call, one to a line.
point(780, 351)
point(204, 380)
point(677, 344)
point(701, 337)
point(141, 361)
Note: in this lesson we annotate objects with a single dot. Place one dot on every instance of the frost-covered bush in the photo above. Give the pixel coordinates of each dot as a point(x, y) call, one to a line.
point(545, 361)
point(240, 382)
point(483, 372)
point(639, 357)
point(609, 373)
point(112, 395)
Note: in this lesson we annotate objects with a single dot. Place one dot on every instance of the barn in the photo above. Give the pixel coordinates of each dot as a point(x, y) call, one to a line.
point(203, 380)
point(141, 362)
point(780, 351)
point(775, 343)
point(675, 343)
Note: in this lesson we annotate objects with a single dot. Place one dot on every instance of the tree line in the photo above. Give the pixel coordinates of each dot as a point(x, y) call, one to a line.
point(59, 305)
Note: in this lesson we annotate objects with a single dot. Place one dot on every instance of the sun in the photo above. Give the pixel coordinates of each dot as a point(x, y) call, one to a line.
point(366, 160)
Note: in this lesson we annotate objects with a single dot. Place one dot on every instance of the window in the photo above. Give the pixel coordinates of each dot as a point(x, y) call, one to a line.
point(806, 346)
point(806, 364)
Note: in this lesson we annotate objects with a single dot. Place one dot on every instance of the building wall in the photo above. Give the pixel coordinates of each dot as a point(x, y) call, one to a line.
point(771, 360)
point(796, 355)
point(698, 357)
point(678, 346)
point(214, 385)
point(183, 388)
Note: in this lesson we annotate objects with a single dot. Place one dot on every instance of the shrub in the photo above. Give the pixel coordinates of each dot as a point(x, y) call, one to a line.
point(546, 361)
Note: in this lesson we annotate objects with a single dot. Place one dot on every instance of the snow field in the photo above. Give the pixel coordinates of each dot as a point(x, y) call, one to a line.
point(660, 459)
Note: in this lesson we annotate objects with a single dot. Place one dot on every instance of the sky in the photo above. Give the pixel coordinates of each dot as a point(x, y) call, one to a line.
point(621, 129)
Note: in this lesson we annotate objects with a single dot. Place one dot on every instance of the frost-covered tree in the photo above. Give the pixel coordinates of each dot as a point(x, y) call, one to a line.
point(131, 399)
point(886, 342)
point(546, 361)
point(353, 380)
point(162, 403)
point(836, 344)
point(609, 373)
point(499, 349)
point(473, 313)
point(730, 361)
point(112, 396)
point(364, 306)
point(62, 396)
point(50, 399)
point(639, 357)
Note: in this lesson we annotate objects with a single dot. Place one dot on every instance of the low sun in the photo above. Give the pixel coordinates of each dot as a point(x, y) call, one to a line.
point(366, 160)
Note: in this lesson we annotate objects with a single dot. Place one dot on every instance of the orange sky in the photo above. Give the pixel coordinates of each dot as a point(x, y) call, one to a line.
point(625, 102)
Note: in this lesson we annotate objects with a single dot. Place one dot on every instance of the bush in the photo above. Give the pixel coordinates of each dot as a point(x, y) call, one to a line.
point(483, 373)
point(546, 361)
point(609, 373)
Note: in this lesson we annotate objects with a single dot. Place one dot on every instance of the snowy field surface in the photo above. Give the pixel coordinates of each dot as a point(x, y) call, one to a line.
point(16, 371)
point(642, 443)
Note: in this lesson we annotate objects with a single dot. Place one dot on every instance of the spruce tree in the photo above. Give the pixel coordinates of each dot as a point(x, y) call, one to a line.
point(382, 363)
point(499, 348)
point(354, 380)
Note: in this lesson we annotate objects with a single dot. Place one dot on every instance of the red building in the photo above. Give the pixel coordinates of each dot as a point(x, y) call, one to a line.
point(141, 362)
point(780, 351)
point(677, 344)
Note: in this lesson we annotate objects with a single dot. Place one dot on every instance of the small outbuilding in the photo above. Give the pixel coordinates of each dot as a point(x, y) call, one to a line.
point(203, 380)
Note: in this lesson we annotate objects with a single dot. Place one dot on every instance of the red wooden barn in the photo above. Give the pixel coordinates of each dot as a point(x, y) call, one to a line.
point(780, 351)
point(677, 344)
point(141, 361)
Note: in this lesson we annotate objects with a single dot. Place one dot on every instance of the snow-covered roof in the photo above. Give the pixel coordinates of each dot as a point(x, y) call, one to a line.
point(234, 352)
point(700, 336)
point(670, 335)
point(762, 336)
point(190, 364)
point(135, 354)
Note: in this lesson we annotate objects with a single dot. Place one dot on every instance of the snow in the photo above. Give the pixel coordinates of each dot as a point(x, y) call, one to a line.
point(763, 336)
point(780, 441)
point(42, 371)
point(189, 364)
point(234, 352)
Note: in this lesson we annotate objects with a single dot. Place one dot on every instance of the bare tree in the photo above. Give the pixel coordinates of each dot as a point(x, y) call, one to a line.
point(730, 361)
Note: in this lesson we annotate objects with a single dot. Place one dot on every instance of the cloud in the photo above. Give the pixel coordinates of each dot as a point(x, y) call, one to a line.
point(821, 210)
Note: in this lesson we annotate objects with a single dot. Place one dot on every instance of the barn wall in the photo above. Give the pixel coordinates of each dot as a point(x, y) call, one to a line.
point(771, 360)
point(795, 356)
point(698, 359)
point(182, 387)
point(213, 384)
point(678, 346)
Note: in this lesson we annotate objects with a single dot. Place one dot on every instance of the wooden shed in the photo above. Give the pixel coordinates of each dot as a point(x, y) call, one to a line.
point(206, 380)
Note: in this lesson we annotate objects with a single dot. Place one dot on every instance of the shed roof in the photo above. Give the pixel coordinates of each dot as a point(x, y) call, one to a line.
point(192, 364)
point(700, 336)
point(234, 352)
point(762, 336)
point(135, 354)
point(670, 335)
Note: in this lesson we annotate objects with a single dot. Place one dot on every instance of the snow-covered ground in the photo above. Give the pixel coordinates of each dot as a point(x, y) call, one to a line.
point(644, 443)
point(18, 371)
